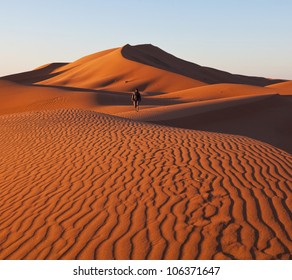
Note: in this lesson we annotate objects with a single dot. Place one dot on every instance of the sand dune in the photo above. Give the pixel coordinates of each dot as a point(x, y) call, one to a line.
point(154, 56)
point(225, 108)
point(267, 119)
point(283, 88)
point(109, 70)
point(123, 69)
point(211, 92)
point(41, 73)
point(283, 85)
point(25, 98)
point(176, 111)
point(85, 176)
point(82, 185)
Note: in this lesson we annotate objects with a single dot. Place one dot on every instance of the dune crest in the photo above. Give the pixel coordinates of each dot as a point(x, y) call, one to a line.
point(201, 171)
point(156, 57)
point(125, 68)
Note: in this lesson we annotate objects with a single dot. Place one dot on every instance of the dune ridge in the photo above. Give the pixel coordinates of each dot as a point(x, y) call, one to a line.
point(202, 171)
point(125, 68)
point(176, 111)
point(39, 74)
point(218, 91)
point(225, 108)
point(83, 185)
point(156, 57)
point(109, 70)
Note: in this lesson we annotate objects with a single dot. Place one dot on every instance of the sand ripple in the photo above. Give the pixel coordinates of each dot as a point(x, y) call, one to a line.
point(81, 185)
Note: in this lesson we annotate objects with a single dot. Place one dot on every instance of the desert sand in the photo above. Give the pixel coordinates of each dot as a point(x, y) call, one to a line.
point(202, 171)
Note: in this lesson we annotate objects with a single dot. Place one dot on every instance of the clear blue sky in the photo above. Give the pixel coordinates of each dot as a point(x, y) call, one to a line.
point(246, 37)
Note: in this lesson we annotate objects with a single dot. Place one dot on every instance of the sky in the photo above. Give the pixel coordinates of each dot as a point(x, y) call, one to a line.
point(249, 37)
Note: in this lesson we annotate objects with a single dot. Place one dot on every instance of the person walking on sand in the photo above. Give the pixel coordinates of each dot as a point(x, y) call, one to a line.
point(136, 99)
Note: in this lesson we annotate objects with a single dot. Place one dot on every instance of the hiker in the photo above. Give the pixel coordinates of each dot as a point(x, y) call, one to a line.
point(136, 99)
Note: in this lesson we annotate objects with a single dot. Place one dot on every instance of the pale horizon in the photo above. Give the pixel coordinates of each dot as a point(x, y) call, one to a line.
point(132, 152)
point(241, 38)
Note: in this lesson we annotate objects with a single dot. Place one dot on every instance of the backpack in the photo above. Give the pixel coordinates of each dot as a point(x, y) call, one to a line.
point(136, 96)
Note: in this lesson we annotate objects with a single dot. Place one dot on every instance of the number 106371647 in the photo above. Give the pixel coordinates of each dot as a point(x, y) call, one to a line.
point(193, 270)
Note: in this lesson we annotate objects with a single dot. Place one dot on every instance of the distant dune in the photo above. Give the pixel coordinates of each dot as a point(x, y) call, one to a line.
point(153, 56)
point(283, 88)
point(41, 73)
point(123, 69)
point(202, 171)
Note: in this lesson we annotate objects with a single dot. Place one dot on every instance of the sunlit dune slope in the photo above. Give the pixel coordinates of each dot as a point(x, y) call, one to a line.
point(82, 185)
point(39, 74)
point(85, 176)
point(257, 112)
point(217, 91)
point(123, 69)
point(50, 70)
point(24, 98)
point(283, 88)
point(113, 72)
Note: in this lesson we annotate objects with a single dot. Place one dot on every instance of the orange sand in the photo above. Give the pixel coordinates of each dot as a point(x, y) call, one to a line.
point(85, 177)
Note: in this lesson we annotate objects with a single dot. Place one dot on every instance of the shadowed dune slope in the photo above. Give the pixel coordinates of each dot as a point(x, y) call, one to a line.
point(266, 118)
point(179, 110)
point(24, 98)
point(228, 108)
point(82, 185)
point(39, 74)
point(156, 57)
